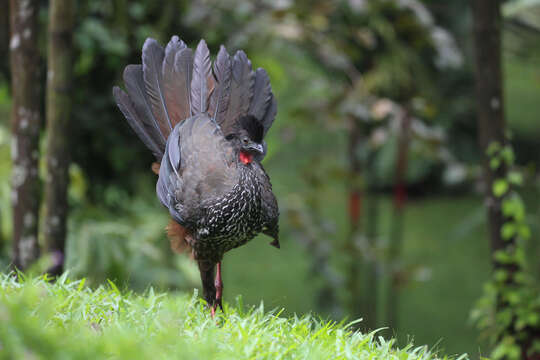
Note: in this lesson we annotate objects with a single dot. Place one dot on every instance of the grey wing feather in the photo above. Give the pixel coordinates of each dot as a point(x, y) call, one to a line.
point(174, 84)
point(219, 102)
point(126, 106)
point(164, 184)
point(162, 193)
point(207, 159)
point(262, 94)
point(152, 59)
point(173, 153)
point(269, 205)
point(241, 91)
point(202, 82)
point(197, 166)
point(170, 184)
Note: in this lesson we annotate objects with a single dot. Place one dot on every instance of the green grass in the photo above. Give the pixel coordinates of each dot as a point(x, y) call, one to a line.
point(445, 255)
point(68, 320)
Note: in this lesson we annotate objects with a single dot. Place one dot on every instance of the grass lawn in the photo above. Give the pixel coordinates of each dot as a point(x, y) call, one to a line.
point(68, 320)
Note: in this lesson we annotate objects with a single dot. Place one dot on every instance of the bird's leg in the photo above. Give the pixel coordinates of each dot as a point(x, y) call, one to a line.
point(206, 269)
point(218, 283)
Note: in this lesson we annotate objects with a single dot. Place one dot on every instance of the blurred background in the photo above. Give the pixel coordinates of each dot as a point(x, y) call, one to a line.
point(373, 156)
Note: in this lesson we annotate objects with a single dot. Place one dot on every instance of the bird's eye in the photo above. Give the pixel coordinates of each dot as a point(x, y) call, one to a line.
point(245, 140)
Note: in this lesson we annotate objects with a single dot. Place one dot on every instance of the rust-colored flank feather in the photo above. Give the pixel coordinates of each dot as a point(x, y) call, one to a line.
point(177, 236)
point(155, 167)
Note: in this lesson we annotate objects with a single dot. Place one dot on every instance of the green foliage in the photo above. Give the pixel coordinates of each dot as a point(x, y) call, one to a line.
point(509, 311)
point(71, 321)
point(131, 248)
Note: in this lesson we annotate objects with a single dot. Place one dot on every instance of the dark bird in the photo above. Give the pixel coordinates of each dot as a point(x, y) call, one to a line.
point(205, 125)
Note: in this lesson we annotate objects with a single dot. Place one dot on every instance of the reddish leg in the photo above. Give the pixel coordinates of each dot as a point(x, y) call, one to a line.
point(218, 283)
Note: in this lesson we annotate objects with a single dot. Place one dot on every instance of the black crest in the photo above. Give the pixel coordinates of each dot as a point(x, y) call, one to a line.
point(253, 127)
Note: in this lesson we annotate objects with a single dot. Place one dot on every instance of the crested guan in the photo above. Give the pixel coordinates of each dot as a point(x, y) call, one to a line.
point(205, 125)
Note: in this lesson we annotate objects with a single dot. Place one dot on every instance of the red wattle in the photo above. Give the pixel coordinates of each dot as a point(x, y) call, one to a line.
point(245, 157)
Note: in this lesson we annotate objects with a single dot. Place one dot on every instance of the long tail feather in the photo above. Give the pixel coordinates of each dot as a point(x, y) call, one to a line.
point(173, 85)
point(202, 83)
point(219, 102)
point(152, 59)
point(127, 108)
point(183, 68)
point(133, 78)
point(262, 95)
point(241, 90)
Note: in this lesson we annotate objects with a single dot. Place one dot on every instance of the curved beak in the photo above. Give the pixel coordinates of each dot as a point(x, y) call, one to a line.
point(258, 148)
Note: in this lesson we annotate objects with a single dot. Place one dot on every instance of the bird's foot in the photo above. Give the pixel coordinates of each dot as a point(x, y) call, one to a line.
point(214, 307)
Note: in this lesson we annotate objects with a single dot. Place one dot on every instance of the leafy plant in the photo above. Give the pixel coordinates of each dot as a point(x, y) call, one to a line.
point(124, 239)
point(509, 311)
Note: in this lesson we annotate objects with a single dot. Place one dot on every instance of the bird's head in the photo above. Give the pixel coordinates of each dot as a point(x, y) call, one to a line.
point(248, 139)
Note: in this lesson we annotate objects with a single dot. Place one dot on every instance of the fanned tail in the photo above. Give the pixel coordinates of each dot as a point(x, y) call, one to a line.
point(158, 92)
point(173, 84)
point(240, 91)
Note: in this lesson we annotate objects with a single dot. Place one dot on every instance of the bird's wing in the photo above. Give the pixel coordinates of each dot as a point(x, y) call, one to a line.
point(198, 165)
point(269, 205)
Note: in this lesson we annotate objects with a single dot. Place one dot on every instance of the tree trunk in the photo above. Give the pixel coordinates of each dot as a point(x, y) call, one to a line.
point(362, 272)
point(491, 129)
point(4, 35)
point(59, 71)
point(4, 61)
point(355, 207)
point(396, 235)
point(372, 260)
point(371, 267)
point(489, 105)
point(25, 122)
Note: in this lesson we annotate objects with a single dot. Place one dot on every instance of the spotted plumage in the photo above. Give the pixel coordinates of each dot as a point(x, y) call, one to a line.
point(232, 220)
point(206, 125)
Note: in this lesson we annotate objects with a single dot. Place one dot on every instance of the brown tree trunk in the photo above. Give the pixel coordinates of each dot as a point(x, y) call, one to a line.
point(4, 35)
point(489, 105)
point(491, 129)
point(396, 236)
point(355, 210)
point(371, 277)
point(4, 60)
point(25, 122)
point(372, 266)
point(59, 71)
point(362, 271)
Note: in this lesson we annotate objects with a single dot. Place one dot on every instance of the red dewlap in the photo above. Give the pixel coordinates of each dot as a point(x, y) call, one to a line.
point(245, 157)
